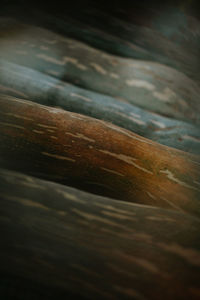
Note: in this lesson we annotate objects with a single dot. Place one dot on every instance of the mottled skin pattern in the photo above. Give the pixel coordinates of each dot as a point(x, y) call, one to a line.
point(107, 248)
point(84, 152)
point(165, 33)
point(26, 83)
point(149, 85)
point(136, 66)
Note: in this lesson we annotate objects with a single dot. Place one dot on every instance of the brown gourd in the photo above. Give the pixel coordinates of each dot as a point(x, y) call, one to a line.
point(92, 154)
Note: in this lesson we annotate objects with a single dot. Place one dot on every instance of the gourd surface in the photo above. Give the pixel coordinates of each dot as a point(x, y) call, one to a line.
point(99, 150)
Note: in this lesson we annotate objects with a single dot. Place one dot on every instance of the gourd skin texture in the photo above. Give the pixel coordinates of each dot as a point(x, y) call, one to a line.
point(149, 85)
point(63, 238)
point(84, 152)
point(46, 90)
point(169, 36)
point(96, 199)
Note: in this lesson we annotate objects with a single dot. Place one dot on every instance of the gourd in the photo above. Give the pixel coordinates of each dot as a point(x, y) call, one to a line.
point(87, 153)
point(67, 78)
point(149, 85)
point(166, 35)
point(44, 89)
point(55, 238)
